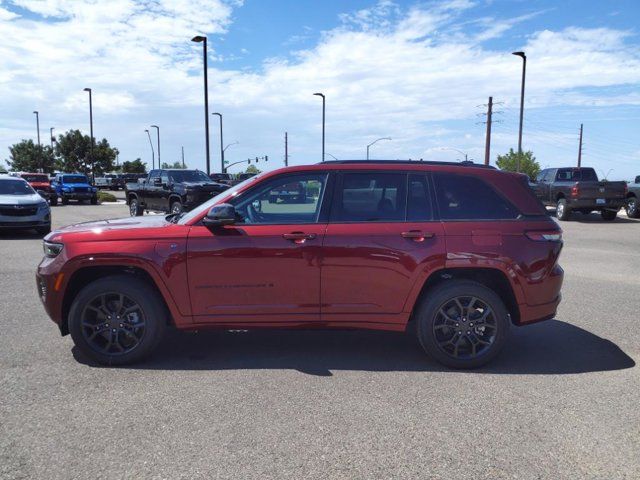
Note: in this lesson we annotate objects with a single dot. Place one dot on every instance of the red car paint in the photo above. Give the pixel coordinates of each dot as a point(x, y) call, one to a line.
point(38, 181)
point(351, 274)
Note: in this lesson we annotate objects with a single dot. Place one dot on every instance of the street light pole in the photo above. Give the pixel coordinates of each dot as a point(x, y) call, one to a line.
point(153, 157)
point(376, 141)
point(222, 167)
point(323, 118)
point(37, 125)
point(158, 132)
point(203, 40)
point(51, 137)
point(524, 72)
point(93, 176)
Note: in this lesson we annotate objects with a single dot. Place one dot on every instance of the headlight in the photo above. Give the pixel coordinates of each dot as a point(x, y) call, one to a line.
point(43, 206)
point(52, 249)
point(94, 189)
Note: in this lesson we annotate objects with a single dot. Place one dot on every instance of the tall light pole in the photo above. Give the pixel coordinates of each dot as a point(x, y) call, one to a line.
point(222, 168)
point(51, 137)
point(153, 157)
point(524, 72)
point(374, 142)
point(37, 125)
point(203, 40)
point(323, 111)
point(158, 132)
point(93, 176)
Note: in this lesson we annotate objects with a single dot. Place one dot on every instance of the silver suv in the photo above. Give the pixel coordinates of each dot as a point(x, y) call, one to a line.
point(22, 207)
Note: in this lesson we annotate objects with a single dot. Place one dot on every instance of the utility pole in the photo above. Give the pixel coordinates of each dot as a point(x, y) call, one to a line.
point(183, 158)
point(286, 150)
point(487, 143)
point(580, 148)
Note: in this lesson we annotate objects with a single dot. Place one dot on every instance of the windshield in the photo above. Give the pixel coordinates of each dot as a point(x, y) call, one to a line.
point(35, 178)
point(178, 176)
point(233, 191)
point(74, 179)
point(15, 187)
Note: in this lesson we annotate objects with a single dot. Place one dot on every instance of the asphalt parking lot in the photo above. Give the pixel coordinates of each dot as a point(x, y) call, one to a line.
point(560, 402)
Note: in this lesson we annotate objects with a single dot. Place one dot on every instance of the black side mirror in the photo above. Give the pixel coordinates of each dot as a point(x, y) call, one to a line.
point(220, 215)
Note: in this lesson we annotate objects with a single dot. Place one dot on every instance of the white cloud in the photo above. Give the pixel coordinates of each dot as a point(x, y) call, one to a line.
point(407, 74)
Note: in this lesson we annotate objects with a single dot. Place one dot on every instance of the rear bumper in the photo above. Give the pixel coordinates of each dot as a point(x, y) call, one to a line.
point(543, 304)
point(590, 203)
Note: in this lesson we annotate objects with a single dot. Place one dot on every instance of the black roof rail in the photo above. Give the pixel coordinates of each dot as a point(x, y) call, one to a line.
point(464, 163)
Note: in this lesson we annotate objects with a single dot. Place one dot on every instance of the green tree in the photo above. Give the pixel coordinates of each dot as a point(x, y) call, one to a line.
point(26, 156)
point(73, 152)
point(528, 163)
point(135, 166)
point(172, 165)
point(252, 169)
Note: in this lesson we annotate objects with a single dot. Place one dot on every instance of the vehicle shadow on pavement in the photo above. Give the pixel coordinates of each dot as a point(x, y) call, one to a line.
point(596, 218)
point(548, 348)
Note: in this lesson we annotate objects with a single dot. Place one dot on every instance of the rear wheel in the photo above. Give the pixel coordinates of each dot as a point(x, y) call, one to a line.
point(462, 324)
point(632, 208)
point(609, 215)
point(562, 210)
point(117, 320)
point(53, 200)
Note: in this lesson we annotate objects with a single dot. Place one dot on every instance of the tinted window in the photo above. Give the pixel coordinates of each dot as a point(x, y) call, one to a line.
point(418, 200)
point(188, 176)
point(462, 197)
point(289, 199)
point(542, 176)
point(74, 179)
point(370, 197)
point(577, 175)
point(35, 178)
point(154, 174)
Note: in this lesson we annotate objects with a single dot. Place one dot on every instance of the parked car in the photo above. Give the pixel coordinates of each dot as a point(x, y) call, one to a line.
point(74, 186)
point(224, 178)
point(241, 177)
point(112, 181)
point(579, 190)
point(455, 252)
point(40, 183)
point(21, 207)
point(294, 192)
point(171, 190)
point(633, 195)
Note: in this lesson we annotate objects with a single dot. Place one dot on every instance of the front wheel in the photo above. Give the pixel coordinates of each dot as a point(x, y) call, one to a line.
point(65, 200)
point(176, 207)
point(94, 200)
point(609, 215)
point(134, 208)
point(53, 200)
point(462, 324)
point(632, 208)
point(117, 320)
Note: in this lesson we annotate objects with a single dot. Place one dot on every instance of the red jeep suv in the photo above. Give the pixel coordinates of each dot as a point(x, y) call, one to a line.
point(454, 252)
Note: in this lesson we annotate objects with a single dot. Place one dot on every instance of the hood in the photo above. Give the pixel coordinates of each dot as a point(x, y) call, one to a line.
point(20, 199)
point(76, 185)
point(127, 223)
point(202, 185)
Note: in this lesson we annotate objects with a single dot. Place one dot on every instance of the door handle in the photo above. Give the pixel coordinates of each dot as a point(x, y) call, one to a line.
point(299, 237)
point(416, 235)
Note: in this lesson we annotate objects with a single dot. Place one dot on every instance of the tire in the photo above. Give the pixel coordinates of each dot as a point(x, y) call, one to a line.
point(146, 322)
point(134, 208)
point(437, 333)
point(94, 200)
point(53, 201)
point(562, 210)
point(176, 207)
point(608, 215)
point(632, 207)
point(44, 230)
point(65, 200)
point(273, 199)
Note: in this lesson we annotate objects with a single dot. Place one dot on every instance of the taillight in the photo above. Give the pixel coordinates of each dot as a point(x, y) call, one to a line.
point(545, 235)
point(575, 190)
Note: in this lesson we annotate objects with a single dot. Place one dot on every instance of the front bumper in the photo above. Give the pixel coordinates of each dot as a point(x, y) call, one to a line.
point(40, 219)
point(78, 195)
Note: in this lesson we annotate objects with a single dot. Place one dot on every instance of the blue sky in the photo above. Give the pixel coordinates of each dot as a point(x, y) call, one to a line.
point(418, 72)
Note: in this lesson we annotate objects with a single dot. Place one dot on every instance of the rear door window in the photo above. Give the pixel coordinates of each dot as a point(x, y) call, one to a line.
point(370, 197)
point(419, 208)
point(463, 197)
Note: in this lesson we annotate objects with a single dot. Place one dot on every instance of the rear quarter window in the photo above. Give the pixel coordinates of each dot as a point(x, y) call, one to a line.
point(463, 197)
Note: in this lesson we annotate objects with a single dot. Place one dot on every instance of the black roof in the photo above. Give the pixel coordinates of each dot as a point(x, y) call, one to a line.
point(411, 162)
